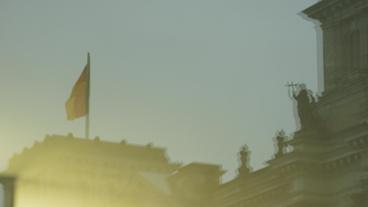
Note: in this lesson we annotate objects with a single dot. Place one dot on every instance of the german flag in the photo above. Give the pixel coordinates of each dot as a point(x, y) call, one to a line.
point(78, 103)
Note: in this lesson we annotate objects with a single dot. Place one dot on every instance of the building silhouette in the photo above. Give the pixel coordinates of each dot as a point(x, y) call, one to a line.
point(70, 171)
point(325, 162)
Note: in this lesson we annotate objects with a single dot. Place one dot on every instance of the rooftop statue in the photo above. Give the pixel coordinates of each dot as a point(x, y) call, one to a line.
point(244, 155)
point(281, 143)
point(306, 106)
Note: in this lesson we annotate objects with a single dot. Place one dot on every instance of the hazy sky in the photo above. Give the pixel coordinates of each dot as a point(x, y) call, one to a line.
point(199, 77)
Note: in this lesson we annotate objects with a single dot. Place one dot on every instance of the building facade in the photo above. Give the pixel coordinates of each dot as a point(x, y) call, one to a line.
point(325, 162)
point(76, 172)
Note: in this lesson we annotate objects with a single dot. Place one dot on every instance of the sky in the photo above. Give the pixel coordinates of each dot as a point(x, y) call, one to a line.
point(198, 77)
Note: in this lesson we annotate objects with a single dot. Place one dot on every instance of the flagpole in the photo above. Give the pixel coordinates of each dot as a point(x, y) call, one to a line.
point(88, 96)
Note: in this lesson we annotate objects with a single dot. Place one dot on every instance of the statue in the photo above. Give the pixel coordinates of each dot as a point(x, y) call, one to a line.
point(306, 106)
point(244, 161)
point(281, 143)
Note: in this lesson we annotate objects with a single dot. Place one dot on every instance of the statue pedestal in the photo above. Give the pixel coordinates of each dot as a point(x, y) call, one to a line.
point(310, 141)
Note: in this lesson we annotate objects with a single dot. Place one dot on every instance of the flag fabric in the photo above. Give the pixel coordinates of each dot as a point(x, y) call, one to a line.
point(78, 103)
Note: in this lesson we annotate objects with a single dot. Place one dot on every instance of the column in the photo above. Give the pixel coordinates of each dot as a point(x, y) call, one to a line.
point(8, 186)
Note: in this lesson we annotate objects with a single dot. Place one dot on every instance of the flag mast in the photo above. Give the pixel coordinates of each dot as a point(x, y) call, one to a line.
point(78, 103)
point(88, 85)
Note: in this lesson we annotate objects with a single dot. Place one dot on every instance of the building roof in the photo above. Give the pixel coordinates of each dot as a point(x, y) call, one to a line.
point(197, 167)
point(70, 151)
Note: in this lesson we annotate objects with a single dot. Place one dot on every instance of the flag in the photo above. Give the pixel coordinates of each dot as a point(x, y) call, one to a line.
point(78, 103)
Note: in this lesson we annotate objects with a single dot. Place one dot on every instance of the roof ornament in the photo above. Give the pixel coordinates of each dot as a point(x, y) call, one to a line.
point(244, 156)
point(281, 143)
point(306, 105)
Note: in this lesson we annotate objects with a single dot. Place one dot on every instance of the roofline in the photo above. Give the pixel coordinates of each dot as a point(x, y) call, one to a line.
point(317, 7)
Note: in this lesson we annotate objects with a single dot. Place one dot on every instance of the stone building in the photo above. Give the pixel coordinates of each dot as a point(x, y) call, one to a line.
point(195, 184)
point(75, 172)
point(325, 162)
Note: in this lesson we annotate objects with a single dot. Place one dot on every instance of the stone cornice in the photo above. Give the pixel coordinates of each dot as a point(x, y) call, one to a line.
point(252, 197)
point(342, 94)
point(330, 11)
point(343, 161)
